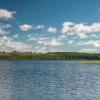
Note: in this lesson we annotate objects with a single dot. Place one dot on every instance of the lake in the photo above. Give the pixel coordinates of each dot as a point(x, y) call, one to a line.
point(49, 80)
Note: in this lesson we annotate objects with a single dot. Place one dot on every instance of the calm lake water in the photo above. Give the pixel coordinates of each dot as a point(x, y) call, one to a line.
point(49, 80)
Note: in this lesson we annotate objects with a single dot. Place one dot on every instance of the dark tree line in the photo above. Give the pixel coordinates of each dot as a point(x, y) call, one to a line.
point(50, 56)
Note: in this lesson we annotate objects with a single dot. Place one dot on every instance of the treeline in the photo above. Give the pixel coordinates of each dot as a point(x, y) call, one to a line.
point(50, 56)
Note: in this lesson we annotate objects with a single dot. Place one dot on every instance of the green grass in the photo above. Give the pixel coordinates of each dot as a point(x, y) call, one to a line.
point(91, 62)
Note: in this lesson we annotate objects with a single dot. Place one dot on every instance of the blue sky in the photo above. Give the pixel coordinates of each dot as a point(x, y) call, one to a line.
point(50, 25)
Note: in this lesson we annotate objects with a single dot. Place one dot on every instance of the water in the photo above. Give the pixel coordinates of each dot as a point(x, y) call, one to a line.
point(49, 80)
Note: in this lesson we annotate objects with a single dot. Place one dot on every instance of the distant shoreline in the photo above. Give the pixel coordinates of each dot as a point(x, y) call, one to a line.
point(50, 56)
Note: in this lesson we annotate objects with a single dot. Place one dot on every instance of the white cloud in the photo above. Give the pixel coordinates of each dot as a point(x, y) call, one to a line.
point(66, 27)
point(8, 44)
point(39, 27)
point(25, 27)
point(95, 43)
point(55, 42)
point(93, 35)
point(87, 50)
point(5, 14)
point(41, 49)
point(52, 42)
point(47, 41)
point(16, 35)
point(4, 29)
point(62, 37)
point(46, 44)
point(52, 30)
point(70, 41)
point(30, 37)
point(82, 30)
point(83, 35)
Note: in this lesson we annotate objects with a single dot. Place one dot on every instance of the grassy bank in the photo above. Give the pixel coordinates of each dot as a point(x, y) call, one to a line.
point(90, 62)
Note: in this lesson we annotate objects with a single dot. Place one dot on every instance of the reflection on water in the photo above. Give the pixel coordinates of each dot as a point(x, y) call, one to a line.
point(49, 80)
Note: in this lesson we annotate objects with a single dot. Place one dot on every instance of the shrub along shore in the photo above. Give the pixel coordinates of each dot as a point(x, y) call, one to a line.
point(50, 56)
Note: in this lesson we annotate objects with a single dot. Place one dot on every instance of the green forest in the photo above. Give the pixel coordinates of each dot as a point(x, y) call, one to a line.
point(50, 56)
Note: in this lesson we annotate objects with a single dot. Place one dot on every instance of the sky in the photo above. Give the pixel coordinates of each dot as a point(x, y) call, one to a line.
point(50, 25)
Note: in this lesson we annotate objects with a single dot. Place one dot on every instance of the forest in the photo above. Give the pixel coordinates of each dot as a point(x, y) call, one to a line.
point(50, 56)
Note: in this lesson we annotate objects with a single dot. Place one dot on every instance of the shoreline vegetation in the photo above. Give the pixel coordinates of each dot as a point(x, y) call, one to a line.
point(50, 56)
point(91, 62)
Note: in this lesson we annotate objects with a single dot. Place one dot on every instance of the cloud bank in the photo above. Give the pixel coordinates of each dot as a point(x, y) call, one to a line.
point(81, 30)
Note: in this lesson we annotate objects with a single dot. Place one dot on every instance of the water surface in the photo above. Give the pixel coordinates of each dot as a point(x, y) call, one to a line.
point(49, 80)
